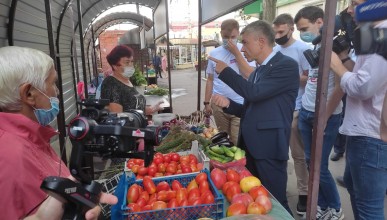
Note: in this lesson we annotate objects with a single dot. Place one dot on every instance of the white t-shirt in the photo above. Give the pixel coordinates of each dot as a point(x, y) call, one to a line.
point(295, 51)
point(219, 86)
point(309, 98)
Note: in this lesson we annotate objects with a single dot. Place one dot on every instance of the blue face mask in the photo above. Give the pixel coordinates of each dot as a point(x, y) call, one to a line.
point(45, 116)
point(307, 36)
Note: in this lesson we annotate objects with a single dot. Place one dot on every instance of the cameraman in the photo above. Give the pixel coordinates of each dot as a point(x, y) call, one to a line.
point(366, 87)
point(309, 21)
point(28, 103)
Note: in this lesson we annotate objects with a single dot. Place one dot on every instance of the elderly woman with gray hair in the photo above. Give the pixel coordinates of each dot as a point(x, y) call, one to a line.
point(28, 103)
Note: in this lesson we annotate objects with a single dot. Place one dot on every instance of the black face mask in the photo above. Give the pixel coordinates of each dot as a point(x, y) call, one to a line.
point(282, 40)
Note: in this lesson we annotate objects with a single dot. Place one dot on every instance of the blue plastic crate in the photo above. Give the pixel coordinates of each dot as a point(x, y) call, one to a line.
point(214, 211)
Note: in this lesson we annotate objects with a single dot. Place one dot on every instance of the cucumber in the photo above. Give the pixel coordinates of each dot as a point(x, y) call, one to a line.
point(228, 152)
point(228, 159)
point(238, 154)
point(234, 149)
point(217, 149)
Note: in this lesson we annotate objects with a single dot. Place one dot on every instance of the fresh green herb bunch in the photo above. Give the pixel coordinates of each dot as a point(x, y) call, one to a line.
point(157, 91)
point(138, 79)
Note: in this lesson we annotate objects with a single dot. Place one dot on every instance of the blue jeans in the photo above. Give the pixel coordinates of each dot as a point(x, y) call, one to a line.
point(328, 196)
point(366, 176)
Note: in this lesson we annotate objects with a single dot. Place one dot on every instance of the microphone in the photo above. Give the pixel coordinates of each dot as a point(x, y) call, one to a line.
point(371, 10)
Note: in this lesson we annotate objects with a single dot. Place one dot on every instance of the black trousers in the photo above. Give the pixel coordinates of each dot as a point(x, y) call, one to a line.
point(273, 175)
point(158, 71)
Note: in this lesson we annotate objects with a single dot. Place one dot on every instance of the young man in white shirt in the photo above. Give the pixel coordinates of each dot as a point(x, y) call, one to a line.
point(230, 53)
point(283, 26)
point(309, 21)
point(366, 87)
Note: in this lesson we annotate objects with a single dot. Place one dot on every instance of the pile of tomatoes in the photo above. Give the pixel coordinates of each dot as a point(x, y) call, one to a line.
point(165, 165)
point(163, 195)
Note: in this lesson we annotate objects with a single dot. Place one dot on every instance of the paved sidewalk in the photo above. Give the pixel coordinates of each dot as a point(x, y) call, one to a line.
point(185, 87)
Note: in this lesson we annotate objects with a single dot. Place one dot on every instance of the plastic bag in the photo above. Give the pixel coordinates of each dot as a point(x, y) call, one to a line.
point(225, 166)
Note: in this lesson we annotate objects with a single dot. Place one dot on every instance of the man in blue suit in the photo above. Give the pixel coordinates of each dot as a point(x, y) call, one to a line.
point(267, 113)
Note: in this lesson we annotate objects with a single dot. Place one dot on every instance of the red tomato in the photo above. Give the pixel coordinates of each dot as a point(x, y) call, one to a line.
point(193, 193)
point(146, 208)
point(218, 177)
point(162, 196)
point(162, 186)
point(199, 166)
point(207, 198)
point(184, 159)
point(152, 171)
point(232, 175)
point(258, 191)
point(175, 157)
point(149, 185)
point(158, 174)
point(228, 184)
point(232, 191)
point(172, 203)
point(195, 201)
point(161, 168)
point(158, 160)
point(159, 205)
point(129, 165)
point(138, 161)
point(143, 171)
point(204, 185)
point(144, 195)
point(167, 158)
point(171, 169)
point(133, 193)
point(201, 177)
point(139, 177)
point(171, 194)
point(265, 202)
point(236, 209)
point(193, 159)
point(181, 194)
point(193, 167)
point(158, 154)
point(134, 207)
point(135, 168)
point(186, 170)
point(152, 199)
point(176, 185)
point(141, 202)
point(183, 202)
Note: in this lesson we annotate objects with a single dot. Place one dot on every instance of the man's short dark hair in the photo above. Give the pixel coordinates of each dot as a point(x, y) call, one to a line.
point(312, 13)
point(284, 19)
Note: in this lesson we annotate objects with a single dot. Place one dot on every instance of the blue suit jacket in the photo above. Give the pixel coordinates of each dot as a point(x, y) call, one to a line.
point(267, 112)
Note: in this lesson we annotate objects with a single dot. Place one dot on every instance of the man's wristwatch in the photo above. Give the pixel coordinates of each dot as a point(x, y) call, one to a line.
point(206, 103)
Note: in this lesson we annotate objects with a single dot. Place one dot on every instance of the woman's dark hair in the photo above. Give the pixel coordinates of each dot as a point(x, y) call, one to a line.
point(117, 53)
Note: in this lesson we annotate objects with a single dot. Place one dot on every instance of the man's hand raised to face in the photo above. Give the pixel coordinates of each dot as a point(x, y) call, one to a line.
point(220, 65)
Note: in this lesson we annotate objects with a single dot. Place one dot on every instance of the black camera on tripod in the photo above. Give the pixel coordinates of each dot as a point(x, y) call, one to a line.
point(340, 43)
point(97, 131)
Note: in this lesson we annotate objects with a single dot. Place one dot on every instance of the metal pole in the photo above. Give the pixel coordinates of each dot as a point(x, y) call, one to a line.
point(61, 117)
point(82, 47)
point(168, 57)
point(11, 22)
point(199, 54)
point(321, 100)
point(95, 55)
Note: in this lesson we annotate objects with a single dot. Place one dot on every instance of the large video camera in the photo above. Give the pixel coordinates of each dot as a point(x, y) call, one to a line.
point(369, 40)
point(340, 44)
point(97, 131)
point(341, 40)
